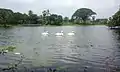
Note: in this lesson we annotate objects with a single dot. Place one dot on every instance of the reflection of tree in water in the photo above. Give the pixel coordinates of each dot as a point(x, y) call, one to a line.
point(117, 34)
point(116, 37)
point(115, 59)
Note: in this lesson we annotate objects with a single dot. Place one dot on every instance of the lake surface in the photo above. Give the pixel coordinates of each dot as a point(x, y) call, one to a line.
point(92, 49)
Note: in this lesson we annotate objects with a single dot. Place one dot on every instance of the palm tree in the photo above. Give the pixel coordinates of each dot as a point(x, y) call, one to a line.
point(46, 15)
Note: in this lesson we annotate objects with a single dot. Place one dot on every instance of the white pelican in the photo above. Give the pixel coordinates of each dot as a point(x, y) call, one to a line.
point(71, 33)
point(45, 33)
point(59, 34)
point(17, 53)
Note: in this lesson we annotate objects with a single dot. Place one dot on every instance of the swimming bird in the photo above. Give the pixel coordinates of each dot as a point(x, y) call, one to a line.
point(17, 53)
point(71, 33)
point(45, 33)
point(59, 33)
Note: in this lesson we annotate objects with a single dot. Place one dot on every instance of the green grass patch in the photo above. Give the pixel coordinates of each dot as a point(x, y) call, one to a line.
point(9, 48)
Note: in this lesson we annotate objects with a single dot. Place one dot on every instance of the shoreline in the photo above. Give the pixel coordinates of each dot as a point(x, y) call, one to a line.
point(8, 26)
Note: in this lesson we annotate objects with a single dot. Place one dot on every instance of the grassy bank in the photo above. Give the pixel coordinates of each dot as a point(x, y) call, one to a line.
point(80, 24)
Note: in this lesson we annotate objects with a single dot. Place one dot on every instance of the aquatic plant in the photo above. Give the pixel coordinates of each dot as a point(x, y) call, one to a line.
point(11, 48)
point(4, 50)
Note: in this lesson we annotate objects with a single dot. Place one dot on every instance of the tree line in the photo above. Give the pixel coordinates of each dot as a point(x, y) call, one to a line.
point(114, 20)
point(82, 15)
point(7, 17)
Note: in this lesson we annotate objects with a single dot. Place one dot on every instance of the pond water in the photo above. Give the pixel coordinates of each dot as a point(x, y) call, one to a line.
point(91, 49)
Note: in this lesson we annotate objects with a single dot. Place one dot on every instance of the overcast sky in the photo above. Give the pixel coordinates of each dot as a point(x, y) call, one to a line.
point(103, 8)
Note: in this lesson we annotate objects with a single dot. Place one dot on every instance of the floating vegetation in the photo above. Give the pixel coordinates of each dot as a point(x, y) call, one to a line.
point(7, 48)
point(11, 48)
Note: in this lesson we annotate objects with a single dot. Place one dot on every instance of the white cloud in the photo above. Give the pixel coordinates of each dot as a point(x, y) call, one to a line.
point(21, 1)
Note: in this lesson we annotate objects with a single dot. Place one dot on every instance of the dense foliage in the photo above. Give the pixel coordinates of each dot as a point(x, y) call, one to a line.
point(82, 14)
point(66, 19)
point(114, 20)
point(5, 16)
point(8, 17)
point(101, 21)
point(55, 19)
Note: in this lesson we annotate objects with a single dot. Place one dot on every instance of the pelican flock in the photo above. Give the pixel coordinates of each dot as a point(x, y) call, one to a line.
point(46, 33)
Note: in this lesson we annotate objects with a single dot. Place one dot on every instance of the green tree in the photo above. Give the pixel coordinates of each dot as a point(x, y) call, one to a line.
point(33, 18)
point(82, 14)
point(18, 18)
point(40, 19)
point(114, 20)
point(55, 19)
point(45, 16)
point(93, 18)
point(30, 12)
point(5, 16)
point(25, 18)
point(59, 20)
point(66, 19)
